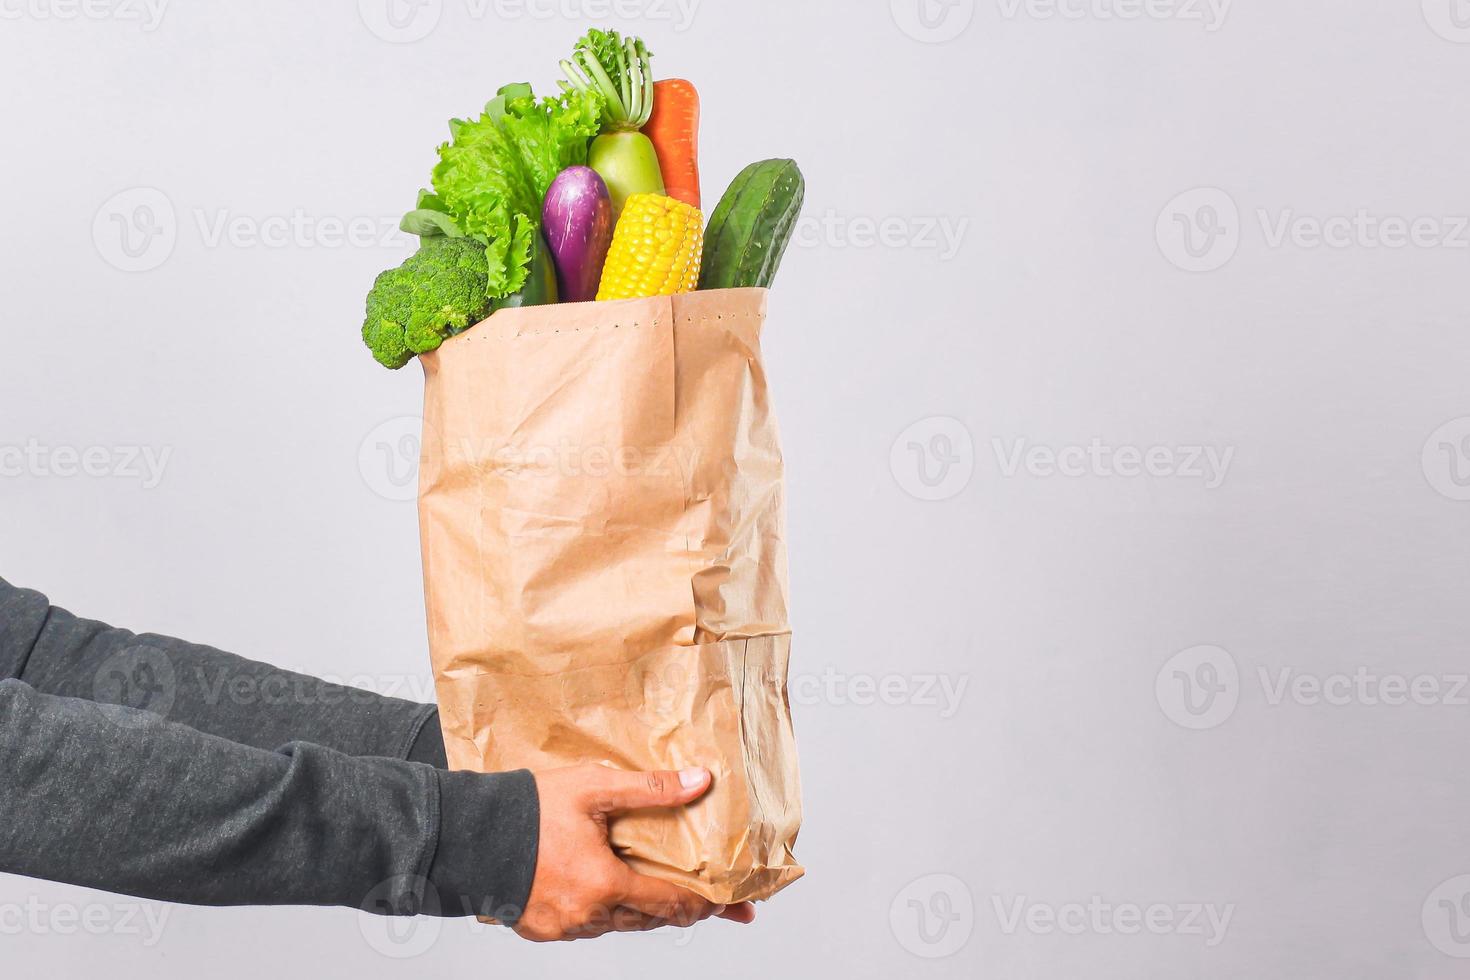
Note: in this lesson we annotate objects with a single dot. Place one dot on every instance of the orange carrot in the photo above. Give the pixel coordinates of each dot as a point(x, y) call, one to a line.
point(674, 130)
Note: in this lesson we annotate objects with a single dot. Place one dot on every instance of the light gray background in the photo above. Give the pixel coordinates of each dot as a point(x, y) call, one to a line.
point(1066, 611)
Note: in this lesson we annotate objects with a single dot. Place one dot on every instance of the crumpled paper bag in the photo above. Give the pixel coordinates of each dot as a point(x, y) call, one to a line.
point(602, 515)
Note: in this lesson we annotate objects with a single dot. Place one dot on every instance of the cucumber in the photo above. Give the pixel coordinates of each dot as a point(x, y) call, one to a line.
point(752, 225)
point(540, 287)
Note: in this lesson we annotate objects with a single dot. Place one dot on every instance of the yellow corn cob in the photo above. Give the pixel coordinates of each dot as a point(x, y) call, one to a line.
point(656, 249)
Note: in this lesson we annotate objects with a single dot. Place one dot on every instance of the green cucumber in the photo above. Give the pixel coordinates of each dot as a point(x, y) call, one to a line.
point(540, 287)
point(752, 225)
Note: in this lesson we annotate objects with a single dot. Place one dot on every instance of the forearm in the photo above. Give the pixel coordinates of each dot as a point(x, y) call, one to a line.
point(122, 800)
point(202, 810)
point(209, 690)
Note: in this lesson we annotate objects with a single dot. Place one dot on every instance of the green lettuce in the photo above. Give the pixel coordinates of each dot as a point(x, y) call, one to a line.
point(494, 173)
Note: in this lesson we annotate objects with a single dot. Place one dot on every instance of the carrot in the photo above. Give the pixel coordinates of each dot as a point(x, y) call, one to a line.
point(674, 129)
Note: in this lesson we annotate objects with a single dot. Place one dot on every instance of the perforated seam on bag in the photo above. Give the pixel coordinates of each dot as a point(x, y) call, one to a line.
point(558, 330)
point(690, 318)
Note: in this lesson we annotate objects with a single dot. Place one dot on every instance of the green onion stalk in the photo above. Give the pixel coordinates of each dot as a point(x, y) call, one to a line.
point(620, 70)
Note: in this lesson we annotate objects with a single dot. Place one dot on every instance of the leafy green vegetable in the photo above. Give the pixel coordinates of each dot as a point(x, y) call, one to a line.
point(438, 292)
point(495, 170)
point(431, 217)
point(553, 134)
point(618, 69)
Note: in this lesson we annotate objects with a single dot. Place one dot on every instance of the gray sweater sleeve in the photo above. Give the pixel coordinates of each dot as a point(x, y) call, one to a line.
point(153, 767)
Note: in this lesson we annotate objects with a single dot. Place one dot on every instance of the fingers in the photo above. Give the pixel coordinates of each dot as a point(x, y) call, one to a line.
point(616, 791)
point(631, 920)
point(622, 919)
point(626, 918)
point(619, 919)
point(662, 900)
point(742, 912)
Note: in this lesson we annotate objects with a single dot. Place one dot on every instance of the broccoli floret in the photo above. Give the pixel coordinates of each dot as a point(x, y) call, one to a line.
point(438, 292)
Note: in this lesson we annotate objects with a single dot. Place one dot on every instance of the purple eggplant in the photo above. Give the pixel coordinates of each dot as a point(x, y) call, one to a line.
point(578, 221)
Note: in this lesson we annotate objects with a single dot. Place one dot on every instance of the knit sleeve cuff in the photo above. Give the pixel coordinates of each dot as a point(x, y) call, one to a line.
point(489, 832)
point(428, 743)
point(23, 615)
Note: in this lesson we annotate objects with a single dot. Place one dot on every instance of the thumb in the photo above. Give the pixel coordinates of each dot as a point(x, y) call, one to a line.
point(618, 791)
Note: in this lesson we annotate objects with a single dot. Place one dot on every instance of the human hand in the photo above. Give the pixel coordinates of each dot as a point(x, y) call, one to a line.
point(581, 889)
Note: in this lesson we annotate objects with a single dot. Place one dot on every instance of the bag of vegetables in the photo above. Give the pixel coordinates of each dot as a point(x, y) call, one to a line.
point(601, 492)
point(602, 517)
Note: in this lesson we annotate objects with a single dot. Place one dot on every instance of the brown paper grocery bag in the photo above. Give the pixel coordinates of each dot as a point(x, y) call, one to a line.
point(603, 522)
